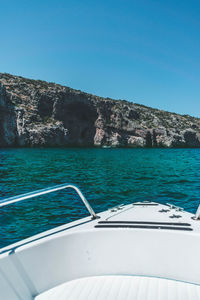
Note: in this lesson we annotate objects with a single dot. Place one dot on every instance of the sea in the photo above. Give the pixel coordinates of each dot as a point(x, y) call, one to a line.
point(107, 177)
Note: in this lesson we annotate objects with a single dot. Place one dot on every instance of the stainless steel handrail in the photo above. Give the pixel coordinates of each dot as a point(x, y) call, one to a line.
point(197, 215)
point(46, 191)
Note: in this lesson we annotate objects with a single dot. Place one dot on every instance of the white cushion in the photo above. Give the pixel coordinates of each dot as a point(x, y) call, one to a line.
point(122, 288)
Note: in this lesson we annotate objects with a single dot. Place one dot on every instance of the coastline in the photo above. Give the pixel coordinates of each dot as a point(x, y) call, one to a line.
point(35, 113)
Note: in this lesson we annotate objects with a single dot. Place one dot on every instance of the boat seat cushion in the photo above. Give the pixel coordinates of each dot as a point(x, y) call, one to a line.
point(122, 288)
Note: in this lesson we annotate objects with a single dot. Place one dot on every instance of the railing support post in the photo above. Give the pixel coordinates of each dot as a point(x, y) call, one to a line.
point(197, 215)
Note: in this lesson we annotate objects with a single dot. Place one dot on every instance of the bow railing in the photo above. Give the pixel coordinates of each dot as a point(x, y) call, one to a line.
point(41, 192)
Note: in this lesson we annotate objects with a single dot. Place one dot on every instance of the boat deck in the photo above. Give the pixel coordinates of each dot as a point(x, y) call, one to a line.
point(138, 215)
point(141, 251)
point(121, 288)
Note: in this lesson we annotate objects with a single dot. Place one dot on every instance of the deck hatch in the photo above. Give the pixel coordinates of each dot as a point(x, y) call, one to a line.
point(143, 227)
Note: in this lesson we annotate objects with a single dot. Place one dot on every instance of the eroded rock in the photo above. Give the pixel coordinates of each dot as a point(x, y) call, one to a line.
point(37, 113)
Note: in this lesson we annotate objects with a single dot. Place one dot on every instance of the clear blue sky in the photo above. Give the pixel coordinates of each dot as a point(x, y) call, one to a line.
point(145, 51)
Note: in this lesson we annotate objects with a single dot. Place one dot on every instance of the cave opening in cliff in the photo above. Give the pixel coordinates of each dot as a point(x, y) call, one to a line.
point(79, 118)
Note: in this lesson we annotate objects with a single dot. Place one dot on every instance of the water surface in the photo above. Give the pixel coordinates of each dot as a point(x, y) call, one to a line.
point(107, 177)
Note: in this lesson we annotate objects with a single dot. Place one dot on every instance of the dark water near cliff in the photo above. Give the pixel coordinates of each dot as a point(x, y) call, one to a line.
point(106, 176)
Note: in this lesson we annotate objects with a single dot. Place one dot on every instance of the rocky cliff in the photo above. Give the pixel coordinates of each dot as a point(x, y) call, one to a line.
point(37, 113)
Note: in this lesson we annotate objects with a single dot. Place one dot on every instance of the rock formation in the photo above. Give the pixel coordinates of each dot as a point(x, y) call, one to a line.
point(37, 113)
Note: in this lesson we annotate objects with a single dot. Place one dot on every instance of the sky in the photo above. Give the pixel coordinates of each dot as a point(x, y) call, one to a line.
point(144, 51)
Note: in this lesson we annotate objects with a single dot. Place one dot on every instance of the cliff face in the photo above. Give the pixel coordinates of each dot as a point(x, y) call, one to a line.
point(37, 113)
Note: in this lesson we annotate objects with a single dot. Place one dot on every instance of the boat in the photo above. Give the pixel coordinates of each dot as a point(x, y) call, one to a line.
point(139, 251)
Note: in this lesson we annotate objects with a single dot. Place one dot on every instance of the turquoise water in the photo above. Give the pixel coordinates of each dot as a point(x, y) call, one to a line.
point(107, 177)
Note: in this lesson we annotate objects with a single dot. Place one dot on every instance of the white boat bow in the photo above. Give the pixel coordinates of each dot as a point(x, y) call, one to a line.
point(141, 251)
